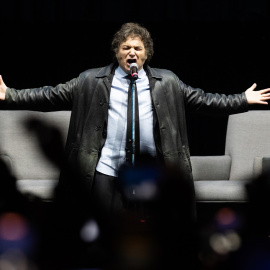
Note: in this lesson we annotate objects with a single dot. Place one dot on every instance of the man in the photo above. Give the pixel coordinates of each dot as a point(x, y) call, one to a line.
point(95, 147)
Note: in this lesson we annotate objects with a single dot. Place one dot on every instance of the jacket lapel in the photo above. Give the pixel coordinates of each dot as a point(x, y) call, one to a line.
point(162, 111)
point(153, 77)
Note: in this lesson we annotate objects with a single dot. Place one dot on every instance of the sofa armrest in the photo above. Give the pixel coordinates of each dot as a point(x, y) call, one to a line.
point(43, 189)
point(211, 167)
point(261, 165)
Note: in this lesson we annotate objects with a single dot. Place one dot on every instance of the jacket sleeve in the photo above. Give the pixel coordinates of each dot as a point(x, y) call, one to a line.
point(44, 99)
point(198, 100)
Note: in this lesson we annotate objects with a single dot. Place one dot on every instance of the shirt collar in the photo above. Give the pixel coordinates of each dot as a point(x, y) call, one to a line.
point(119, 73)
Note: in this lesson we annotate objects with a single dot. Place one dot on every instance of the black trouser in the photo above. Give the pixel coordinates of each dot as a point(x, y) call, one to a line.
point(107, 199)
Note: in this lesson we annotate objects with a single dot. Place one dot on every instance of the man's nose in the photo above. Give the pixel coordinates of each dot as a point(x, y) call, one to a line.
point(132, 52)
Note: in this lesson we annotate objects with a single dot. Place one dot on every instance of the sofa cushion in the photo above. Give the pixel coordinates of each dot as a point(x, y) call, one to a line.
point(42, 188)
point(221, 191)
point(210, 167)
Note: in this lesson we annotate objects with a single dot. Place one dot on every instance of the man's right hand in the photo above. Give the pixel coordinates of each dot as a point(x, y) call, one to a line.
point(3, 89)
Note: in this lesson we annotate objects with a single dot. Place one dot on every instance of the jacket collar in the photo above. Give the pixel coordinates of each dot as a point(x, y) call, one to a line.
point(153, 73)
point(109, 71)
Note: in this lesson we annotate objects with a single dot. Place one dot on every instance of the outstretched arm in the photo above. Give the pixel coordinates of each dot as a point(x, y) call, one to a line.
point(46, 98)
point(3, 89)
point(257, 97)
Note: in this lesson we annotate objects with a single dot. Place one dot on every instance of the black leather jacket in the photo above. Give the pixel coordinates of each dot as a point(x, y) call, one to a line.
point(88, 98)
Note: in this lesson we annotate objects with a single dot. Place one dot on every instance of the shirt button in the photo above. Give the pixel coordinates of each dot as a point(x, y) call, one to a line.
point(157, 103)
point(101, 102)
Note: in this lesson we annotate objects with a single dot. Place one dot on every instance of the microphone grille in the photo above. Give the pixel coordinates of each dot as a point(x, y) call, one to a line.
point(133, 65)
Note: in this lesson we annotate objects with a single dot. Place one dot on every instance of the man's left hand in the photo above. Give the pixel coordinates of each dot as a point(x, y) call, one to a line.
point(257, 97)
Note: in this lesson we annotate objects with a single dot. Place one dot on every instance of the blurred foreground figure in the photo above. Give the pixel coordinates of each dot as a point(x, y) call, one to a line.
point(155, 229)
point(21, 217)
point(255, 251)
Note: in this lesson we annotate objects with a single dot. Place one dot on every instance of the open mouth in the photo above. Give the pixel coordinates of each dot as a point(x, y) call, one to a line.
point(130, 61)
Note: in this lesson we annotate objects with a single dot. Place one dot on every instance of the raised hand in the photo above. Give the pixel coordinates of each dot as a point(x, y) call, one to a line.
point(3, 89)
point(257, 97)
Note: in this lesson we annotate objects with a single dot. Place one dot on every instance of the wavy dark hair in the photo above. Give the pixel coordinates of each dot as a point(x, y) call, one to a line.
point(133, 30)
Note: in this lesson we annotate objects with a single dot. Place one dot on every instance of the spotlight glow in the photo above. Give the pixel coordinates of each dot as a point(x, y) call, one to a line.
point(223, 243)
point(90, 231)
point(226, 216)
point(13, 227)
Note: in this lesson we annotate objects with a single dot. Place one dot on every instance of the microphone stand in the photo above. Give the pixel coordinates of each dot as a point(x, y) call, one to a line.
point(133, 121)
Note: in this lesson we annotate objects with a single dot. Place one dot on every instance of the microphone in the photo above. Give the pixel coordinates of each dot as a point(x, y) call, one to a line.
point(134, 71)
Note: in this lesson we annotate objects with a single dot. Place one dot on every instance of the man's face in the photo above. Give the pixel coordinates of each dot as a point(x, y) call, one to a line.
point(131, 51)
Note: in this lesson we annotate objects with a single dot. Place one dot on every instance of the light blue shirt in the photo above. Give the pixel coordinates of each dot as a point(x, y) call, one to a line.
point(113, 153)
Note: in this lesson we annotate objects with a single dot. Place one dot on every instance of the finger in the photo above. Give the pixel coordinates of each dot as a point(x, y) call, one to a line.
point(265, 98)
point(264, 90)
point(1, 80)
point(263, 102)
point(254, 85)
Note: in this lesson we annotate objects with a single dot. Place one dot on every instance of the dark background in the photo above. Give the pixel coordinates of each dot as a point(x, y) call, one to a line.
point(219, 46)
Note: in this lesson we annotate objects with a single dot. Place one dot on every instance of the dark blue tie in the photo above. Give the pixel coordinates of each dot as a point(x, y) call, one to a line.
point(133, 125)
